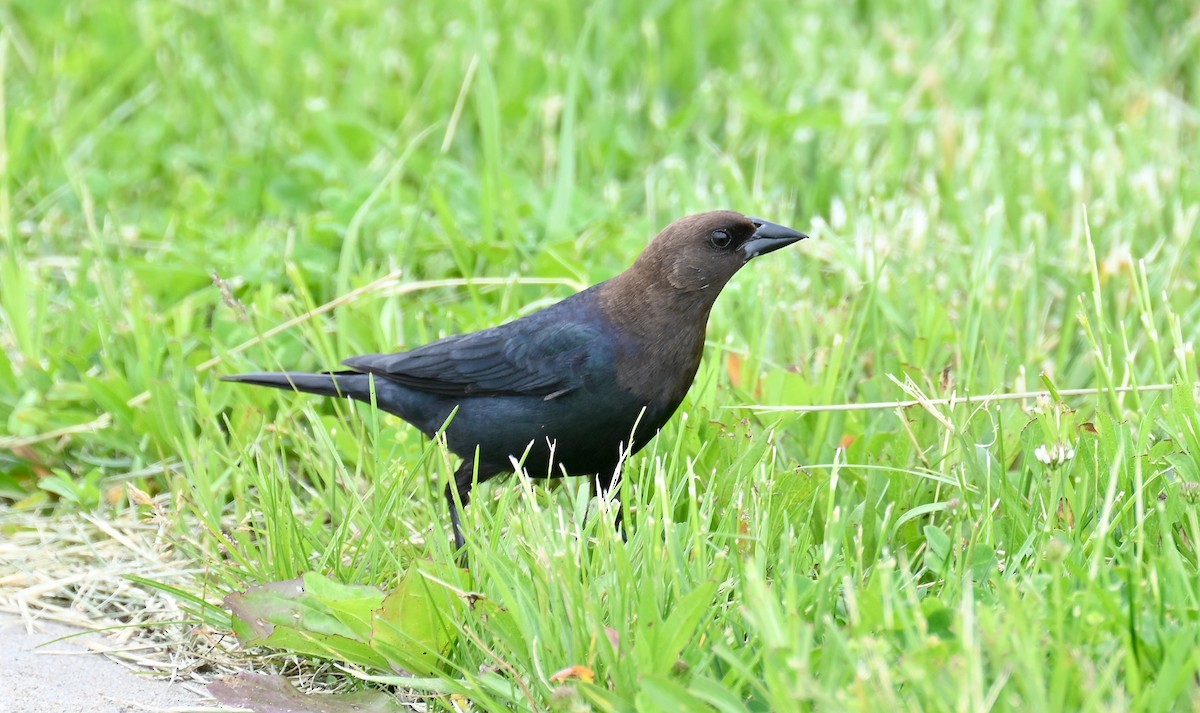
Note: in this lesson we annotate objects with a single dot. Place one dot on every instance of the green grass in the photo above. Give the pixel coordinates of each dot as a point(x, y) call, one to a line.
point(1004, 196)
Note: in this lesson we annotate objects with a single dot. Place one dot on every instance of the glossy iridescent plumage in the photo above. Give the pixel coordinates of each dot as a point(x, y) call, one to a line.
point(572, 388)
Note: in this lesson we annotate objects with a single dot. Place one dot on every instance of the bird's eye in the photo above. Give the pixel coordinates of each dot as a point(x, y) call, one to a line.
point(719, 239)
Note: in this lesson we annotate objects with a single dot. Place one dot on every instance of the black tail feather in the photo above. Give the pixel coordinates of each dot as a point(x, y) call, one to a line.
point(344, 384)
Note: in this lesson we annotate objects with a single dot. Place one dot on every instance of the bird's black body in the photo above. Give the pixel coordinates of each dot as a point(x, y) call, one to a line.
point(538, 383)
point(573, 388)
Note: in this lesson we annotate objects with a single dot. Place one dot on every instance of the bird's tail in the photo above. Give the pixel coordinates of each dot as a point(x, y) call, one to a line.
point(338, 384)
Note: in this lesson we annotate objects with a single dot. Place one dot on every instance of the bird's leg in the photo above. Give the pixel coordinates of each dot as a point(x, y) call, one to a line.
point(462, 487)
point(606, 485)
point(455, 521)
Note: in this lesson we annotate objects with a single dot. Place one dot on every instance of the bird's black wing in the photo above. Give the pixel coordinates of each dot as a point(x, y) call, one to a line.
point(532, 358)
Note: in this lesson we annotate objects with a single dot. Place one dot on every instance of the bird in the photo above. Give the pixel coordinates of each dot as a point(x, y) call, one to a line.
point(574, 388)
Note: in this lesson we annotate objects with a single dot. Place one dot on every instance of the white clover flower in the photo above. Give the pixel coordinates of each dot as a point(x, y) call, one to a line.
point(1055, 455)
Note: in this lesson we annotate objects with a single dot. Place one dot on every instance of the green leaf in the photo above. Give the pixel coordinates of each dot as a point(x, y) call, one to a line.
point(350, 605)
point(660, 693)
point(685, 618)
point(939, 619)
point(717, 695)
point(983, 562)
point(415, 624)
point(937, 552)
point(285, 615)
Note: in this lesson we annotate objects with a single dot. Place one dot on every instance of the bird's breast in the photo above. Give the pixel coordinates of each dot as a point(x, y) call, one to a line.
point(659, 371)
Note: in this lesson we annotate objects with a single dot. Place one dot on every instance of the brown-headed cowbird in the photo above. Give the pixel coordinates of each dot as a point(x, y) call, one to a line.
point(571, 389)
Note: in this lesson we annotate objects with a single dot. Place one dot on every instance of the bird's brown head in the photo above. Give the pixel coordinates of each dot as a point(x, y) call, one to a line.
point(702, 252)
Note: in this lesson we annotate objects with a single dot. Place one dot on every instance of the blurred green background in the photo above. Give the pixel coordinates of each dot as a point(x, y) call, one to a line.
point(1003, 195)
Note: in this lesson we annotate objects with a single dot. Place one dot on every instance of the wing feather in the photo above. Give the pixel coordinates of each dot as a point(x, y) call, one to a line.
point(526, 357)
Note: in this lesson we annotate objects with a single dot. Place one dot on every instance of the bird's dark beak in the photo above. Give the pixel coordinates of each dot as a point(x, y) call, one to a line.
point(769, 237)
